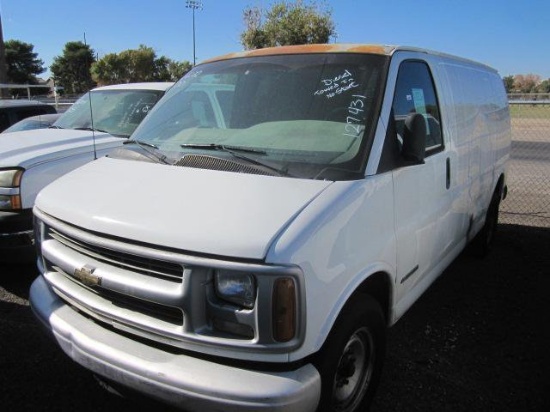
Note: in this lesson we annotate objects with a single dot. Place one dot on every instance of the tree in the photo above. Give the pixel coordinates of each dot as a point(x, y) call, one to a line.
point(137, 65)
point(526, 83)
point(71, 70)
point(22, 63)
point(544, 86)
point(177, 70)
point(286, 24)
point(110, 69)
point(3, 65)
point(509, 83)
point(141, 64)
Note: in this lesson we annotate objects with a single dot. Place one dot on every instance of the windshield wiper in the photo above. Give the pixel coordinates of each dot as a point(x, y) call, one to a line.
point(141, 143)
point(222, 147)
point(234, 151)
point(53, 126)
point(147, 147)
point(91, 129)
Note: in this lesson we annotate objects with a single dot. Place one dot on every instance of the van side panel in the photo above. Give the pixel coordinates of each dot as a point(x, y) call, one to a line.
point(479, 127)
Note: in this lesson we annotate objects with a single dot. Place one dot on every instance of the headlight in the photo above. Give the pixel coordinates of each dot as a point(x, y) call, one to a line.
point(10, 180)
point(10, 177)
point(236, 287)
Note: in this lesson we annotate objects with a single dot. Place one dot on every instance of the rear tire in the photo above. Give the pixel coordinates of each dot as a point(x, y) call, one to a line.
point(350, 362)
point(484, 240)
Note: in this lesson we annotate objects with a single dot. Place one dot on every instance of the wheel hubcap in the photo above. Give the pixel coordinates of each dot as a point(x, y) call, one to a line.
point(354, 370)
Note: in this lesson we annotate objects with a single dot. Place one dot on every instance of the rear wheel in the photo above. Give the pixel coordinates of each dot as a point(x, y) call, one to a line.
point(350, 362)
point(483, 242)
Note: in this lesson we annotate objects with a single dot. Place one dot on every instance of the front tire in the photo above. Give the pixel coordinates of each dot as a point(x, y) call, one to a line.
point(350, 362)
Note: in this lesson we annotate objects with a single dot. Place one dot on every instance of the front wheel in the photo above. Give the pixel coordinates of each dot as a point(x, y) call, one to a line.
point(350, 362)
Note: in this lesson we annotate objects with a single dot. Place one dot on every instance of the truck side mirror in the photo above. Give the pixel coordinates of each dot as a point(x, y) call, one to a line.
point(414, 139)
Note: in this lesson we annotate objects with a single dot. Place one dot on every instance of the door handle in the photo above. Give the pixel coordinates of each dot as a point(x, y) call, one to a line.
point(448, 183)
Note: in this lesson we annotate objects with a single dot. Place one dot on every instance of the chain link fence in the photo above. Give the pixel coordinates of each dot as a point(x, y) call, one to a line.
point(528, 200)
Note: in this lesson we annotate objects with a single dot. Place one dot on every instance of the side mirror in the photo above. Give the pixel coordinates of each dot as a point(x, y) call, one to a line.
point(414, 139)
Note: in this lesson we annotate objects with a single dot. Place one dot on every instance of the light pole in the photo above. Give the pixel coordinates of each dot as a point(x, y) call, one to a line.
point(194, 5)
point(4, 92)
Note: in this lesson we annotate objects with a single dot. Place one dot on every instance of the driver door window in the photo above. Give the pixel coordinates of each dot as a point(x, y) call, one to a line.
point(415, 93)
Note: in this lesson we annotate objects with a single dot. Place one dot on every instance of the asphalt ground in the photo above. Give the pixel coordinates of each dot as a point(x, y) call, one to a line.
point(477, 340)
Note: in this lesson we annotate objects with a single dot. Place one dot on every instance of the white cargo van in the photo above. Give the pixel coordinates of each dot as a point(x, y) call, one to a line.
point(30, 159)
point(300, 200)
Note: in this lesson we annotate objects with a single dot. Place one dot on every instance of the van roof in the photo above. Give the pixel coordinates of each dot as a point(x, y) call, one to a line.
point(380, 49)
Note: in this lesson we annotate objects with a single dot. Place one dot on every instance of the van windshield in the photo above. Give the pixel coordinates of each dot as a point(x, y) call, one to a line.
point(309, 115)
point(117, 112)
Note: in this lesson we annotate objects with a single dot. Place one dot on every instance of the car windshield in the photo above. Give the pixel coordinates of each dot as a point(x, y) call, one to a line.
point(34, 122)
point(117, 112)
point(308, 115)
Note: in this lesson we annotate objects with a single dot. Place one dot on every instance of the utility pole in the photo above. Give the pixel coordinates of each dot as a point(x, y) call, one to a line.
point(194, 5)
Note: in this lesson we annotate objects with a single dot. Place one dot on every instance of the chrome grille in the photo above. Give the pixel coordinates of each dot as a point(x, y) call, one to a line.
point(154, 310)
point(150, 267)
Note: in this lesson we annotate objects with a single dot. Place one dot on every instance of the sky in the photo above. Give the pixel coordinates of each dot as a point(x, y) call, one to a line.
point(512, 36)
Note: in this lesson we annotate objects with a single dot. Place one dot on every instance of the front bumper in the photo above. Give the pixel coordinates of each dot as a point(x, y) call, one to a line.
point(176, 378)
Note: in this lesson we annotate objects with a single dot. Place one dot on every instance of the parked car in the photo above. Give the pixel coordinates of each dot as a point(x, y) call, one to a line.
point(12, 111)
point(255, 263)
point(42, 121)
point(31, 159)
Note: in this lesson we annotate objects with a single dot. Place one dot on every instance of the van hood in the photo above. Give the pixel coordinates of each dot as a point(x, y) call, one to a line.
point(30, 147)
point(194, 210)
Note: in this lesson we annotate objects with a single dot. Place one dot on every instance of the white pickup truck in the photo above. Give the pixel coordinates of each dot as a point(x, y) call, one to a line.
point(247, 253)
point(31, 159)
